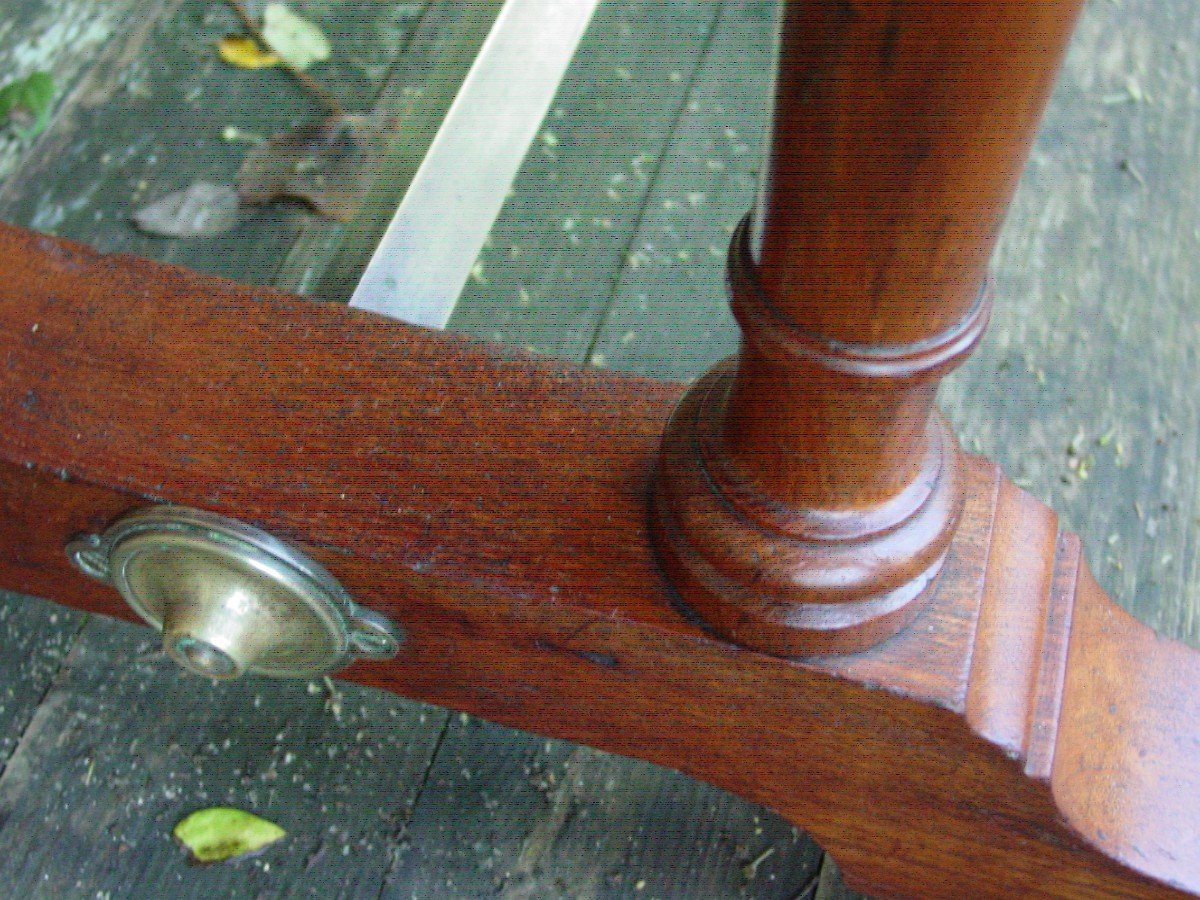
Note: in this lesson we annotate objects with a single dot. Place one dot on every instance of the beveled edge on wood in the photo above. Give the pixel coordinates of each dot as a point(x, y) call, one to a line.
point(944, 762)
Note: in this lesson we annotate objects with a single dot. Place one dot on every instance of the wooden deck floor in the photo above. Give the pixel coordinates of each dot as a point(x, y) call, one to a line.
point(610, 253)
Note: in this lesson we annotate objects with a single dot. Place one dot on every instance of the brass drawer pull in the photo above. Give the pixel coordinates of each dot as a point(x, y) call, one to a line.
point(230, 598)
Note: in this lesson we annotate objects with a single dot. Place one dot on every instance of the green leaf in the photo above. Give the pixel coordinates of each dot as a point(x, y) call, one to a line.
point(299, 42)
point(222, 833)
point(26, 104)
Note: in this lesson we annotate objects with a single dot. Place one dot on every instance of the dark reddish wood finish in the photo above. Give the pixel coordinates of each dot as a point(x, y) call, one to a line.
point(809, 492)
point(901, 129)
point(1023, 737)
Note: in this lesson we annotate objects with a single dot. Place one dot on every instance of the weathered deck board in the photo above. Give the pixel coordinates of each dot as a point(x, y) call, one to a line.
point(123, 746)
point(510, 815)
point(57, 36)
point(112, 64)
point(34, 34)
point(559, 243)
point(149, 118)
point(328, 257)
point(669, 314)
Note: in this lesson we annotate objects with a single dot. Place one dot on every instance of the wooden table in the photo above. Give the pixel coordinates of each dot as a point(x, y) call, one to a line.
point(610, 252)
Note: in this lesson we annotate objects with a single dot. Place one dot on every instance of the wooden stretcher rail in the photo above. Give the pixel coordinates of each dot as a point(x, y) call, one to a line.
point(339, 427)
point(496, 505)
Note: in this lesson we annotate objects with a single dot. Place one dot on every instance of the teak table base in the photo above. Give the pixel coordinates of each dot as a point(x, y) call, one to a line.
point(1021, 736)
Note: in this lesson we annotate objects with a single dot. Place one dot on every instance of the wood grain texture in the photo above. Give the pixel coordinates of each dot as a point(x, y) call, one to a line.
point(586, 644)
point(842, 556)
point(1086, 364)
point(900, 130)
point(808, 492)
point(1082, 388)
point(1095, 267)
point(671, 856)
point(64, 38)
point(145, 87)
point(588, 185)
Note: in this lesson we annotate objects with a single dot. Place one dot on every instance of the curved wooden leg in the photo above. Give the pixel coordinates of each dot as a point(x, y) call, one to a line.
point(1020, 737)
point(1125, 759)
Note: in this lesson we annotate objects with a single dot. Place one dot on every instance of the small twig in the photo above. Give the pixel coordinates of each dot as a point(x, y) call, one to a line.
point(307, 82)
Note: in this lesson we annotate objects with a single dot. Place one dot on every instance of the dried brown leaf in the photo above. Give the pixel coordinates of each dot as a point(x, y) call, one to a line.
point(326, 164)
point(199, 210)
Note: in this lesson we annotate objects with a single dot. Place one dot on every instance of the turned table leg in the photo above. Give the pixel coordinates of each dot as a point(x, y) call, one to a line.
point(811, 502)
point(809, 488)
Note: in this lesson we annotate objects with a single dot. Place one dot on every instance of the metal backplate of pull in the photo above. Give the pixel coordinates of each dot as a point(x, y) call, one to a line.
point(230, 598)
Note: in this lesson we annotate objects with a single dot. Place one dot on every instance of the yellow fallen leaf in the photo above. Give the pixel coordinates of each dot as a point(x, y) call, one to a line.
point(221, 833)
point(244, 52)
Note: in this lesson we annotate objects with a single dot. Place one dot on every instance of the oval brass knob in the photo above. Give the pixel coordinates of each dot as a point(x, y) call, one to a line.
point(230, 598)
